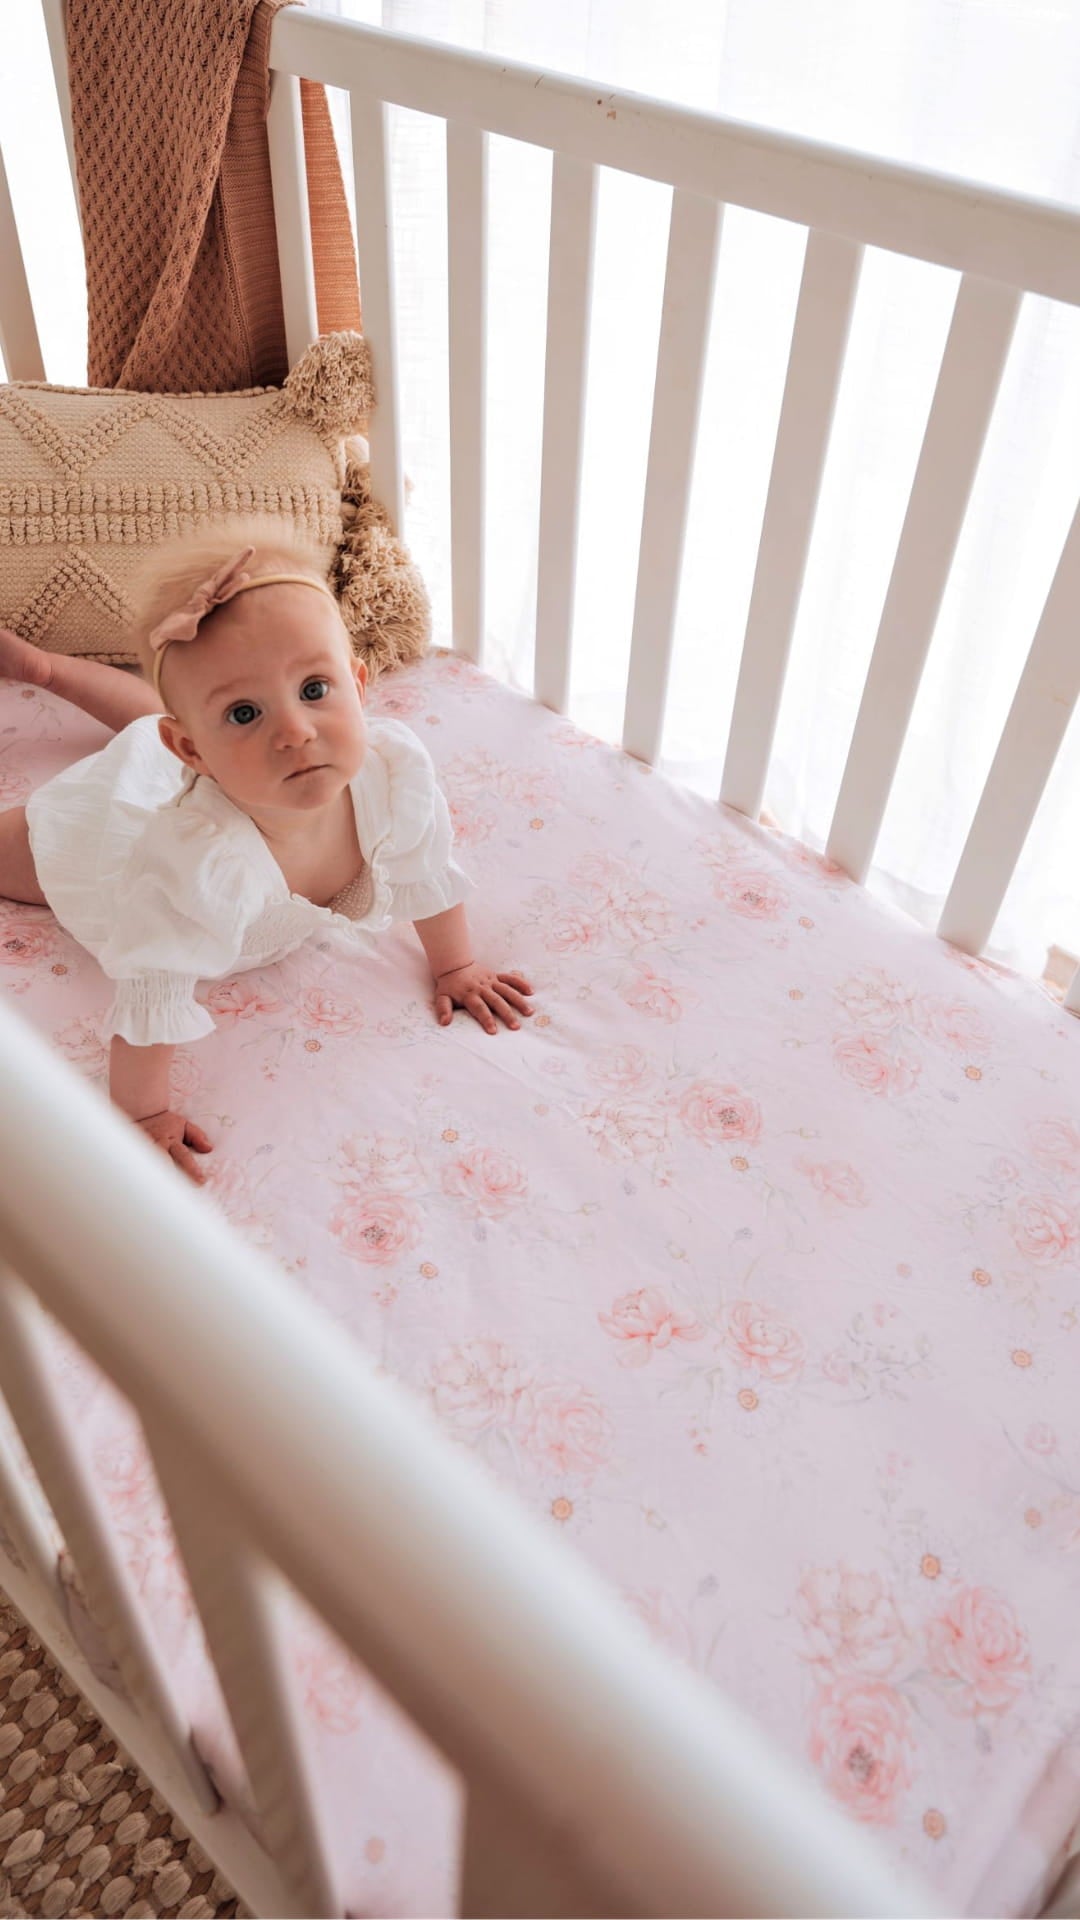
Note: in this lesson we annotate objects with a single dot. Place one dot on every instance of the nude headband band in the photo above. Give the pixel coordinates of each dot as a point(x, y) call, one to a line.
point(224, 585)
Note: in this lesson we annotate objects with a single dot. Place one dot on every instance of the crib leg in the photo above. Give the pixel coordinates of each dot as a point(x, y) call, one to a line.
point(518, 1867)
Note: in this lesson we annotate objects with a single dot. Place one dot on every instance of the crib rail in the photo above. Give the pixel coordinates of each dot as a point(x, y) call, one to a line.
point(627, 1787)
point(1003, 244)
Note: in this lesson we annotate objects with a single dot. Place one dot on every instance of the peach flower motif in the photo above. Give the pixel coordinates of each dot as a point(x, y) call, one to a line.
point(764, 1341)
point(620, 1069)
point(851, 1622)
point(863, 1059)
point(649, 993)
point(715, 1114)
point(666, 1623)
point(384, 1161)
point(1055, 1144)
point(573, 931)
point(951, 1023)
point(635, 1127)
point(1044, 1229)
point(1041, 1438)
point(376, 1229)
point(837, 1182)
point(228, 1183)
point(717, 850)
point(980, 1648)
point(472, 823)
point(837, 1368)
point(333, 1686)
point(489, 1181)
point(637, 913)
point(25, 942)
point(571, 1431)
point(319, 1010)
point(861, 1740)
point(14, 787)
point(875, 1000)
point(399, 698)
point(752, 895)
point(646, 1320)
point(185, 1074)
point(477, 772)
point(81, 1043)
point(124, 1470)
point(240, 998)
point(531, 787)
point(478, 1385)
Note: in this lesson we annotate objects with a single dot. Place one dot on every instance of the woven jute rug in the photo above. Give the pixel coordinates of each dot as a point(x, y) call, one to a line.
point(81, 1830)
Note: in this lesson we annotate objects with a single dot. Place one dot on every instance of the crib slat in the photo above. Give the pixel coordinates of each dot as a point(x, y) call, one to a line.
point(285, 130)
point(25, 1526)
point(1072, 998)
point(55, 12)
point(466, 185)
point(233, 1586)
point(377, 291)
point(818, 345)
point(570, 265)
point(693, 242)
point(971, 368)
point(1038, 718)
point(18, 329)
point(28, 1386)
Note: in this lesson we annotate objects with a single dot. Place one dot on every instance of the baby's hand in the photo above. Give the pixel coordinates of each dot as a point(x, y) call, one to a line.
point(482, 992)
point(175, 1136)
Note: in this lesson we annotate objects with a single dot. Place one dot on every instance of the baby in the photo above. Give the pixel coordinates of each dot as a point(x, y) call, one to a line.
point(260, 809)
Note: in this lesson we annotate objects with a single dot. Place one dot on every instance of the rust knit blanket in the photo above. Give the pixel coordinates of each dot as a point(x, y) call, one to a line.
point(168, 104)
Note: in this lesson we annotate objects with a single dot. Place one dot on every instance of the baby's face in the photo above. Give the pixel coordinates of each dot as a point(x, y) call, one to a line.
point(268, 702)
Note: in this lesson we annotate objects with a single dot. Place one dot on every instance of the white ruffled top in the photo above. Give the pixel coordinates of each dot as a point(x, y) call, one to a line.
point(167, 883)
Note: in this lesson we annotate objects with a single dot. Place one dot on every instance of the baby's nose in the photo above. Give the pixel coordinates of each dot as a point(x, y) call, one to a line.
point(296, 727)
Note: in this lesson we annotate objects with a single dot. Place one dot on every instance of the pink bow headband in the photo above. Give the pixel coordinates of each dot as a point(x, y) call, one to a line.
point(223, 585)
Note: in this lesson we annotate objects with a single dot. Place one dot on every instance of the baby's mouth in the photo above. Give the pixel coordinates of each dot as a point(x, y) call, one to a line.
point(299, 772)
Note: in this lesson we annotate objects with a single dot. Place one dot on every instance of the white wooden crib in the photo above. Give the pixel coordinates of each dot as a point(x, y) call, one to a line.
point(628, 1788)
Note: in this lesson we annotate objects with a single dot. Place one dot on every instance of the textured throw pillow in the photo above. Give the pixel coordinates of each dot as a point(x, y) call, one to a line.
point(91, 479)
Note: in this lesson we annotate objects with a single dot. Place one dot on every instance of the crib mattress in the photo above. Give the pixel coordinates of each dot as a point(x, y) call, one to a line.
point(750, 1264)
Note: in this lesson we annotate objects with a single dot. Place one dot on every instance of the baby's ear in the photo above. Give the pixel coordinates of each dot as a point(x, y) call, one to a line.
point(360, 673)
point(172, 735)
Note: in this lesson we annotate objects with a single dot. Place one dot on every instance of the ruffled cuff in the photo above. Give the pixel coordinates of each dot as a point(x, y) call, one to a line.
point(158, 1009)
point(422, 899)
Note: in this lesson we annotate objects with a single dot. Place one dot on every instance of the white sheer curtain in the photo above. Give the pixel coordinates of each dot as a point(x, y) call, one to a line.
point(985, 88)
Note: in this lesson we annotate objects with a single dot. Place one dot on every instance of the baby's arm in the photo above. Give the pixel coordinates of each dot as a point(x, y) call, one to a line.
point(459, 981)
point(139, 1084)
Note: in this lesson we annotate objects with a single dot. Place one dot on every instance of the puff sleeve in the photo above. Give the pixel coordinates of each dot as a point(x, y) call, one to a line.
point(415, 859)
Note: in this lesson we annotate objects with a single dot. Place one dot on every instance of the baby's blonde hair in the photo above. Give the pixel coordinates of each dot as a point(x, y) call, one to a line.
point(173, 572)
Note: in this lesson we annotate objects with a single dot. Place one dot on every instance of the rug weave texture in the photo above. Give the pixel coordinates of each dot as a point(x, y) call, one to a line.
point(81, 1830)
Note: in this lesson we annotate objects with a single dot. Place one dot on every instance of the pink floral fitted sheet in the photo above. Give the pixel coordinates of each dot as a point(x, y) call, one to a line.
point(751, 1264)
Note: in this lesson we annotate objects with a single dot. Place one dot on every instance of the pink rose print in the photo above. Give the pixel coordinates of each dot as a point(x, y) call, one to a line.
point(571, 1433)
point(379, 1160)
point(978, 1646)
point(620, 1069)
point(398, 698)
point(81, 1043)
point(531, 787)
point(650, 994)
point(665, 1622)
point(646, 1320)
point(951, 1023)
point(240, 998)
point(490, 1182)
point(1044, 1229)
point(472, 822)
point(1055, 1144)
point(26, 942)
point(333, 1686)
point(754, 896)
point(229, 1184)
point(865, 1061)
point(715, 1114)
point(14, 787)
point(837, 1182)
point(861, 1740)
point(571, 931)
point(1041, 1438)
point(377, 1229)
point(319, 1010)
point(765, 1342)
point(185, 1075)
point(875, 1000)
point(480, 1385)
point(837, 1368)
point(850, 1620)
point(124, 1471)
point(633, 1127)
point(630, 909)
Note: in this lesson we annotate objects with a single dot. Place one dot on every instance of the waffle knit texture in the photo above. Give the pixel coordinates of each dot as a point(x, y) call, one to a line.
point(168, 102)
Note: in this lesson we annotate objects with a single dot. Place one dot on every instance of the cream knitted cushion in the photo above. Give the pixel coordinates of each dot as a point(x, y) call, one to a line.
point(90, 478)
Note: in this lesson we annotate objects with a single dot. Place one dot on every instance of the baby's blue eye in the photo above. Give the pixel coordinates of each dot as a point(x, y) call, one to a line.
point(314, 689)
point(242, 715)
